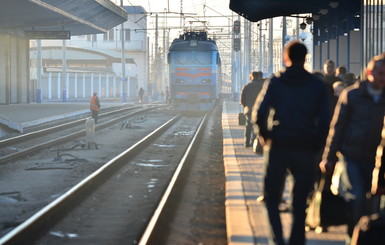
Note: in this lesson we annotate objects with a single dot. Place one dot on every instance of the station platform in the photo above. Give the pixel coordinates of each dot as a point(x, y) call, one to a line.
point(17, 117)
point(246, 220)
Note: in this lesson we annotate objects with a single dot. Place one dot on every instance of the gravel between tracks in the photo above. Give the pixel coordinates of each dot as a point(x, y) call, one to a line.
point(35, 182)
point(29, 184)
point(200, 216)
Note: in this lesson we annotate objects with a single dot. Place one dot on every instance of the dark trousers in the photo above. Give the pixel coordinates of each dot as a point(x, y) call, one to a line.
point(95, 116)
point(249, 132)
point(301, 164)
point(360, 178)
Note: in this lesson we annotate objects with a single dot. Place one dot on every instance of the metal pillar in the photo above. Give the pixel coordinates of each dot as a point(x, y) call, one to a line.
point(39, 85)
point(123, 78)
point(271, 42)
point(64, 73)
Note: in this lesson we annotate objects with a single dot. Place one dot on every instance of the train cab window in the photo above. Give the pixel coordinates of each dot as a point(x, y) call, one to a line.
point(183, 58)
point(203, 58)
point(193, 58)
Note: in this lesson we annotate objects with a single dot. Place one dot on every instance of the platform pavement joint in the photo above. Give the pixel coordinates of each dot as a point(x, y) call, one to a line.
point(246, 220)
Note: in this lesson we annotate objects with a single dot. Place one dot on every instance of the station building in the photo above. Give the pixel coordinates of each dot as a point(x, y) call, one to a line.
point(25, 20)
point(94, 62)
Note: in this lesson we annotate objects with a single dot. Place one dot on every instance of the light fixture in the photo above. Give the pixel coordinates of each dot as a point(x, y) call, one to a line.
point(302, 26)
point(334, 4)
point(316, 17)
point(324, 11)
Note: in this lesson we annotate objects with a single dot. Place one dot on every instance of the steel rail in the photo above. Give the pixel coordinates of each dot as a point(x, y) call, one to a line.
point(42, 132)
point(41, 221)
point(73, 136)
point(154, 230)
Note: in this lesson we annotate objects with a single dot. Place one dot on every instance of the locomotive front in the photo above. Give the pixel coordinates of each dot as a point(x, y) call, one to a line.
point(193, 64)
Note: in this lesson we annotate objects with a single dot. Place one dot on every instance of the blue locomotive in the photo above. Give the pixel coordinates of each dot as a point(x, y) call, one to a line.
point(194, 66)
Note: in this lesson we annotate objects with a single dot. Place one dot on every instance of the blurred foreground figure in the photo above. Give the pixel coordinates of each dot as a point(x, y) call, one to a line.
point(292, 115)
point(355, 132)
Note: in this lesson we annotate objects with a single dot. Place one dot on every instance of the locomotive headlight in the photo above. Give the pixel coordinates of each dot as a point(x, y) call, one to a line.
point(179, 81)
point(208, 80)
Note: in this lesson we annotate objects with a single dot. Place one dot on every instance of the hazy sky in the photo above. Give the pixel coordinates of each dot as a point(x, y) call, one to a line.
point(190, 6)
point(214, 8)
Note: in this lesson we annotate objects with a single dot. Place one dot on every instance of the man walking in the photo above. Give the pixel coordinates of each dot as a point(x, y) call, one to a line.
point(248, 97)
point(329, 69)
point(355, 132)
point(292, 115)
point(141, 95)
point(95, 106)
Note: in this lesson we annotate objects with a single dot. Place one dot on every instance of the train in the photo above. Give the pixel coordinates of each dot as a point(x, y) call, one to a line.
point(195, 68)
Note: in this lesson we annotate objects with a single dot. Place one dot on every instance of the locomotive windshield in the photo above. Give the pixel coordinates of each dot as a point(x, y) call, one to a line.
point(196, 58)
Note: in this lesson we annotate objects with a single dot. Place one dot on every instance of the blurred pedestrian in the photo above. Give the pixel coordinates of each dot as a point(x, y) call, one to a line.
point(141, 95)
point(292, 115)
point(355, 132)
point(341, 73)
point(338, 87)
point(350, 79)
point(248, 96)
point(95, 106)
point(330, 78)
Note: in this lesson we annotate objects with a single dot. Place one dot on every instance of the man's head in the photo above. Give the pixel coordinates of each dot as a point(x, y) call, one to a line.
point(294, 54)
point(341, 70)
point(95, 94)
point(256, 75)
point(375, 71)
point(329, 67)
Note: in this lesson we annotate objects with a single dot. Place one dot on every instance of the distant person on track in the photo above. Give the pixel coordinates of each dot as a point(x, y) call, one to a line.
point(141, 95)
point(95, 106)
point(292, 115)
point(167, 96)
point(248, 96)
point(355, 132)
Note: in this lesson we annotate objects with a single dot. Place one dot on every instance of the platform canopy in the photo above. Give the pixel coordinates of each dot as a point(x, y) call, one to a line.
point(78, 17)
point(256, 10)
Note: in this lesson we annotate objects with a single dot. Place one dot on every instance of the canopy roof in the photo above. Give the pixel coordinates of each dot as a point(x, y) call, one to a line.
point(77, 17)
point(256, 10)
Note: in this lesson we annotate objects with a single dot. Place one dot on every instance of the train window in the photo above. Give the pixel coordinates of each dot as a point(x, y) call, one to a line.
point(183, 58)
point(197, 58)
point(203, 58)
point(218, 59)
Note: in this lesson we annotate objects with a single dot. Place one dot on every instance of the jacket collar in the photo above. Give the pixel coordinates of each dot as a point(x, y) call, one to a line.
point(363, 88)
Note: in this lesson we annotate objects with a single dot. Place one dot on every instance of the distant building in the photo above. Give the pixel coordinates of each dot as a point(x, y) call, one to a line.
point(93, 62)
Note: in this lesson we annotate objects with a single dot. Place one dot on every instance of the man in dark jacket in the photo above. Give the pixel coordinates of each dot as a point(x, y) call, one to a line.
point(329, 79)
point(292, 115)
point(248, 97)
point(355, 132)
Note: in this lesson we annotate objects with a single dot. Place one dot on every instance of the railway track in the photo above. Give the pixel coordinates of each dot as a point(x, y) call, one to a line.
point(68, 131)
point(100, 208)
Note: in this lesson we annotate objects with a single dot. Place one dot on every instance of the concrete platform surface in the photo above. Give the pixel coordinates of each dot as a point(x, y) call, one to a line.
point(246, 219)
point(19, 116)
